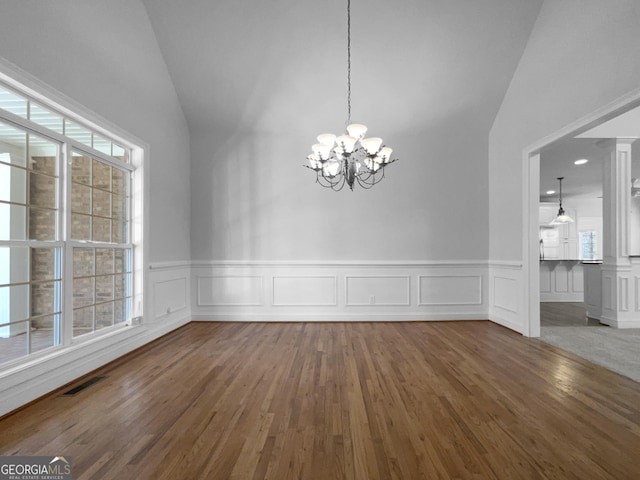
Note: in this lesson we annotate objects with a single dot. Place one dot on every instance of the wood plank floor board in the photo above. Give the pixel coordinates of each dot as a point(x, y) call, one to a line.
point(414, 400)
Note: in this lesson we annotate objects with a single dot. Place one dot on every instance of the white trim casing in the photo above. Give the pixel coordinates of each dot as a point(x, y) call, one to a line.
point(529, 287)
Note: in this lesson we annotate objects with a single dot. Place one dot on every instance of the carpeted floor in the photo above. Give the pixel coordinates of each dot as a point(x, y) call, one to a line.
point(617, 350)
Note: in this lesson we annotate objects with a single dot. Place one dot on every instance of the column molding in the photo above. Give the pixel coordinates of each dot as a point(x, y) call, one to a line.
point(617, 279)
point(617, 202)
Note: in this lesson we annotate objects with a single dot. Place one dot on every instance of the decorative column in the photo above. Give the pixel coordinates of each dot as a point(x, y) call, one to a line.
point(619, 279)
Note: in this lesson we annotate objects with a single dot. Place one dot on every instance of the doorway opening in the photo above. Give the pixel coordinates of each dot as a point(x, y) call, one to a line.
point(612, 121)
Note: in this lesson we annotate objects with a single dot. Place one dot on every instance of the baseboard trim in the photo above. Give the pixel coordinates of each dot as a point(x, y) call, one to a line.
point(506, 323)
point(621, 324)
point(433, 317)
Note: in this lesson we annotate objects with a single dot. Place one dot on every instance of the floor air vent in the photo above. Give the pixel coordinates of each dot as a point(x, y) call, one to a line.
point(83, 386)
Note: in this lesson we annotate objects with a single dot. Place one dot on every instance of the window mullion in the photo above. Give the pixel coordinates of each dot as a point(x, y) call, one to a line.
point(98, 155)
point(66, 324)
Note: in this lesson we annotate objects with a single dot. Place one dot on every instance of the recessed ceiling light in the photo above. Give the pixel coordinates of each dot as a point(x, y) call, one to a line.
point(550, 192)
point(581, 161)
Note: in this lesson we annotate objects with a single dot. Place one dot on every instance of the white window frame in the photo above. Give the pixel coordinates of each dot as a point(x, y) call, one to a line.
point(26, 86)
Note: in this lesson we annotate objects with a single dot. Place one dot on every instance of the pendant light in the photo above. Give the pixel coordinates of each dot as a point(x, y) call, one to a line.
point(562, 217)
point(349, 158)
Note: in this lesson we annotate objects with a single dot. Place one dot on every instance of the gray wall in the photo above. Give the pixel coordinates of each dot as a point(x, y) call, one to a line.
point(428, 79)
point(252, 200)
point(581, 56)
point(104, 55)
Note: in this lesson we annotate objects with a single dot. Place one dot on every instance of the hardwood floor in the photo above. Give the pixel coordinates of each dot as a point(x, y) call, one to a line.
point(341, 401)
point(566, 314)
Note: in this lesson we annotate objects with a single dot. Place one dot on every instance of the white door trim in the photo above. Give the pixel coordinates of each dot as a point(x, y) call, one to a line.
point(530, 201)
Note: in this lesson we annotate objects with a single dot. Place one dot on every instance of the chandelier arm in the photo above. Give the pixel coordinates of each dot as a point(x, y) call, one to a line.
point(369, 179)
point(323, 181)
point(339, 185)
point(366, 184)
point(364, 177)
point(327, 182)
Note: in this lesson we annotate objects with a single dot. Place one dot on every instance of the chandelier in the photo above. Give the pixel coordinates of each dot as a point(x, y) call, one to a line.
point(562, 217)
point(349, 158)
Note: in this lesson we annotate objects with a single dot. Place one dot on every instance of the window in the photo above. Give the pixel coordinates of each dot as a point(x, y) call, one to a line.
point(67, 255)
point(588, 245)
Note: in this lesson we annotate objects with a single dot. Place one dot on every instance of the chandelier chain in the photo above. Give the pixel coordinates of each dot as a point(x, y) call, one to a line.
point(348, 62)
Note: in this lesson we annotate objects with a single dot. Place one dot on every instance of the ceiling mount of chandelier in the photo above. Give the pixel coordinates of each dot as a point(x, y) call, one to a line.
point(349, 158)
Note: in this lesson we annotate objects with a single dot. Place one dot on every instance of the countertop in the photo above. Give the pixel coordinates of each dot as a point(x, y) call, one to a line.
point(587, 262)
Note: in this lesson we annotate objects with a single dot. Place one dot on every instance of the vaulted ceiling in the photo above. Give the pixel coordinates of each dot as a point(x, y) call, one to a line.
point(280, 65)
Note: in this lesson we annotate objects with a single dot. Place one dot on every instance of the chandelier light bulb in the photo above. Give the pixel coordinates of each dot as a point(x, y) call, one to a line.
point(322, 150)
point(331, 169)
point(327, 139)
point(346, 143)
point(562, 219)
point(314, 161)
point(356, 130)
point(371, 164)
point(385, 154)
point(371, 145)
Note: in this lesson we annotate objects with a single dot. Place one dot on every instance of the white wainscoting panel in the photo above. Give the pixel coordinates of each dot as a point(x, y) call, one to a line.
point(308, 291)
point(506, 295)
point(561, 281)
point(621, 295)
point(386, 290)
point(239, 290)
point(170, 286)
point(608, 293)
point(450, 290)
point(623, 288)
point(593, 291)
point(545, 281)
point(171, 295)
point(340, 291)
point(577, 280)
